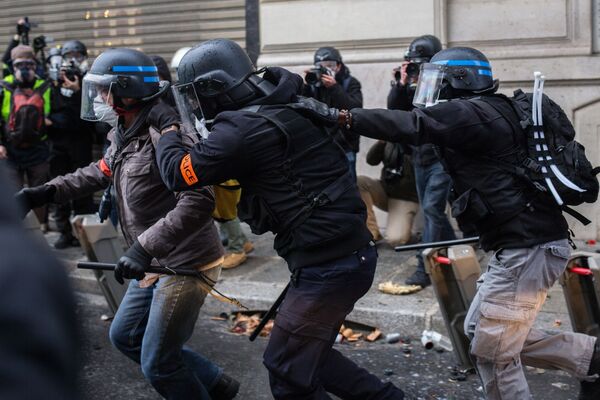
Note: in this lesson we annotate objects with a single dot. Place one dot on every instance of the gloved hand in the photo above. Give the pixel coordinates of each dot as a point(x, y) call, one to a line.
point(133, 264)
point(162, 116)
point(30, 198)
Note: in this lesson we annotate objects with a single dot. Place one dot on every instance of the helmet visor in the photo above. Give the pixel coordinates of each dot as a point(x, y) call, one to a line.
point(96, 97)
point(188, 106)
point(430, 84)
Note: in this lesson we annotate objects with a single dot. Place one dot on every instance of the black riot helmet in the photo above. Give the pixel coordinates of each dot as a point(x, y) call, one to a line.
point(214, 76)
point(117, 74)
point(423, 48)
point(72, 46)
point(327, 54)
point(453, 73)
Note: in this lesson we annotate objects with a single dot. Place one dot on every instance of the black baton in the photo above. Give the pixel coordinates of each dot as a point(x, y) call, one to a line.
point(269, 314)
point(446, 243)
point(98, 266)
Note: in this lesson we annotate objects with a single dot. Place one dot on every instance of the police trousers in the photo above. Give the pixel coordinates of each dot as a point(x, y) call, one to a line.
point(500, 320)
point(299, 357)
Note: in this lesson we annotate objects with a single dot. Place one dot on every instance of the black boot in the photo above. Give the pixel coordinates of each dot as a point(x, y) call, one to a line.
point(66, 240)
point(419, 278)
point(591, 390)
point(226, 389)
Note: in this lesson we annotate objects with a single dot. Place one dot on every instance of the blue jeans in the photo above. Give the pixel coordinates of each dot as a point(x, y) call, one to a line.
point(433, 186)
point(301, 361)
point(151, 326)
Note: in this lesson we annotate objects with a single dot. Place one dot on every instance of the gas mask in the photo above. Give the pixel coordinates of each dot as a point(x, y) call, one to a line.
point(24, 71)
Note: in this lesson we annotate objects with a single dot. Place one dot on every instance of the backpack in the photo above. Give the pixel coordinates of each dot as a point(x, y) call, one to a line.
point(551, 153)
point(25, 126)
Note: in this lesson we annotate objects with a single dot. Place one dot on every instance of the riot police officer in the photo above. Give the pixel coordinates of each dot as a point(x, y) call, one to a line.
point(295, 183)
point(526, 231)
point(157, 314)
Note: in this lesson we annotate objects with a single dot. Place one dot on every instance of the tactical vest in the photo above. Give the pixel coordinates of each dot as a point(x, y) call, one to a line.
point(299, 203)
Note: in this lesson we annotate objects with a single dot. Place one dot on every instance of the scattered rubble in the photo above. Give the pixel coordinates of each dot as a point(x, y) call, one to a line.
point(394, 288)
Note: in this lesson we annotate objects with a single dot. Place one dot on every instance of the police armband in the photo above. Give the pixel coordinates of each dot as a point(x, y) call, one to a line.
point(187, 170)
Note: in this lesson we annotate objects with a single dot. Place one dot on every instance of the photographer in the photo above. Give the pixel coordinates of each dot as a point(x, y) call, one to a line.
point(433, 183)
point(393, 192)
point(22, 37)
point(71, 138)
point(25, 107)
point(330, 82)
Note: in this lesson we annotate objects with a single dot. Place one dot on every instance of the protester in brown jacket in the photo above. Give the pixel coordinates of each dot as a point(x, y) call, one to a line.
point(162, 228)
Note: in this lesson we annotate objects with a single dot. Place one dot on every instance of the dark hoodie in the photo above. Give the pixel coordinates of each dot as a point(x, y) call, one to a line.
point(245, 146)
point(38, 334)
point(346, 95)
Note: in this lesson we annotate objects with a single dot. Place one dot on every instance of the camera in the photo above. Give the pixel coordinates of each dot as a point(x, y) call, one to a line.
point(313, 76)
point(70, 70)
point(412, 71)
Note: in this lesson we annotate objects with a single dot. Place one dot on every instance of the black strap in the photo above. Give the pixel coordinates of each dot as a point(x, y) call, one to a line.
point(575, 214)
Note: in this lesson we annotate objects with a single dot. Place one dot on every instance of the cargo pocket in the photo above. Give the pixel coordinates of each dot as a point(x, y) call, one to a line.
point(471, 207)
point(501, 331)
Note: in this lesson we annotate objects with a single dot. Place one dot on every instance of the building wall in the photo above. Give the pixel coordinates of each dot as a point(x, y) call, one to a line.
point(558, 37)
point(153, 26)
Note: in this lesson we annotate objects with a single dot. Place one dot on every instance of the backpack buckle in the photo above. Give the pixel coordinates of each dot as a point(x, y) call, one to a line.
point(532, 165)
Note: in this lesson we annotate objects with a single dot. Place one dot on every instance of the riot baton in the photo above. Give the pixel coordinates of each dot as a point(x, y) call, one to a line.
point(154, 270)
point(446, 243)
point(269, 314)
point(206, 282)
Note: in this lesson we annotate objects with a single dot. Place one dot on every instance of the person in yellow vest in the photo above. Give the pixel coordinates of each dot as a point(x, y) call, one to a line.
point(227, 196)
point(25, 107)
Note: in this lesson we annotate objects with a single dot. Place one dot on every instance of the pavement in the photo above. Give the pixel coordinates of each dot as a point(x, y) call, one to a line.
point(423, 374)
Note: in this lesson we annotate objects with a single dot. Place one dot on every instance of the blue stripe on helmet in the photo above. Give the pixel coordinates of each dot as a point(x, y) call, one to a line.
point(464, 63)
point(134, 68)
point(151, 79)
point(484, 72)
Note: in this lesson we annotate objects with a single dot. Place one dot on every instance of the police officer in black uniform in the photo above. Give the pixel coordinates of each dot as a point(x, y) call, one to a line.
point(474, 129)
point(296, 184)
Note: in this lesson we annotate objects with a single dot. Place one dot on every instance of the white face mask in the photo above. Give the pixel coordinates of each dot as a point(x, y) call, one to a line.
point(107, 114)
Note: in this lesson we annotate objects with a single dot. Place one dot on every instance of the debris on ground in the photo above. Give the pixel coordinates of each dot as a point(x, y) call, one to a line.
point(245, 324)
point(394, 288)
point(373, 336)
point(392, 338)
point(105, 317)
point(557, 323)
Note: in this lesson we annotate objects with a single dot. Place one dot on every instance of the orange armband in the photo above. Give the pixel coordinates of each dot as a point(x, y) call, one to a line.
point(187, 171)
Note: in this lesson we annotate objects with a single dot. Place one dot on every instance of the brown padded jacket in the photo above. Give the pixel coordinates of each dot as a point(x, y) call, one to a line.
point(175, 228)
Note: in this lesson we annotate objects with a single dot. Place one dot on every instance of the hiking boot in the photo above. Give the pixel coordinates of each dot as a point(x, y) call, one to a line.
point(248, 247)
point(233, 260)
point(419, 278)
point(225, 389)
point(66, 240)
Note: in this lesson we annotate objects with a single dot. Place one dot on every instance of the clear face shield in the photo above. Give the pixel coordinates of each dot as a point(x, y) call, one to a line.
point(429, 86)
point(96, 98)
point(188, 105)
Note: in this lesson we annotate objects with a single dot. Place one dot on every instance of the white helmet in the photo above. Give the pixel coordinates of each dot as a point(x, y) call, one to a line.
point(178, 56)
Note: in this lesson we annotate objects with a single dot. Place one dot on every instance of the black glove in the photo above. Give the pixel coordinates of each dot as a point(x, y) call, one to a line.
point(162, 116)
point(30, 198)
point(133, 264)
